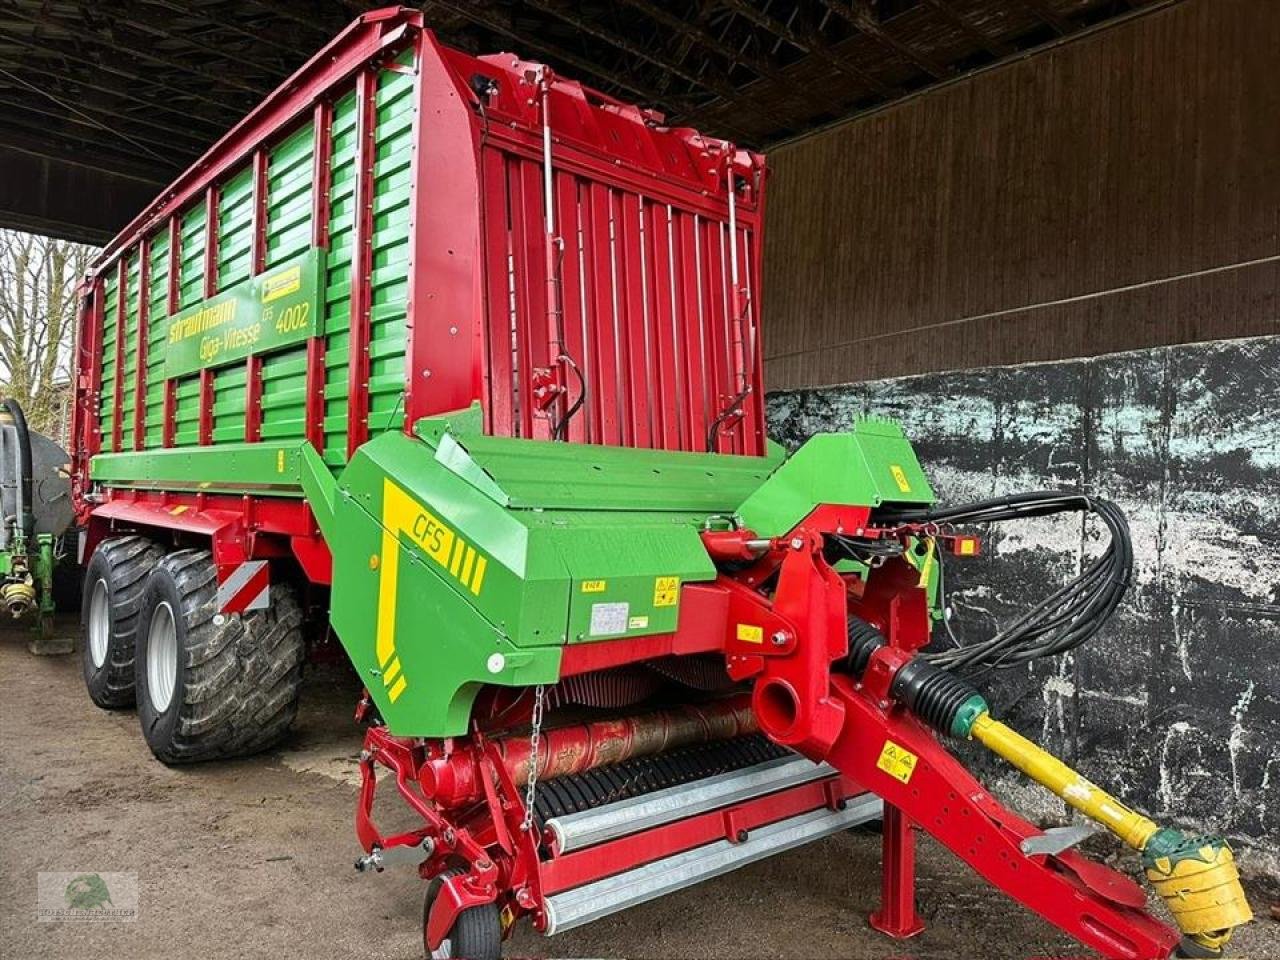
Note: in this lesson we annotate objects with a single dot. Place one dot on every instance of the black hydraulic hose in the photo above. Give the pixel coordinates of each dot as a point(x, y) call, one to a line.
point(561, 431)
point(1067, 617)
point(27, 519)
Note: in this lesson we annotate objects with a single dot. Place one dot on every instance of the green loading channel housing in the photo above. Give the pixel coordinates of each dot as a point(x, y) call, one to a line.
point(462, 559)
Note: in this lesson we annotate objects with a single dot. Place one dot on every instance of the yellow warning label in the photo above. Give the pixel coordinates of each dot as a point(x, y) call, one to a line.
point(898, 762)
point(594, 586)
point(967, 546)
point(282, 284)
point(666, 591)
point(926, 568)
point(279, 461)
point(749, 633)
point(900, 478)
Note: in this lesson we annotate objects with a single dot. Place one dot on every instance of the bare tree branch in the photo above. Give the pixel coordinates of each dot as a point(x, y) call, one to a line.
point(38, 278)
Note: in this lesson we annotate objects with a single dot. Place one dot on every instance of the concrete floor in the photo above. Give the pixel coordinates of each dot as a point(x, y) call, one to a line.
point(253, 858)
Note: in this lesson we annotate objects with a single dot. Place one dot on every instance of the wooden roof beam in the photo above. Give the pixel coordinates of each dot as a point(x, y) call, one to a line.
point(997, 48)
point(477, 14)
point(1042, 10)
point(806, 41)
point(718, 86)
point(859, 16)
point(217, 78)
point(221, 106)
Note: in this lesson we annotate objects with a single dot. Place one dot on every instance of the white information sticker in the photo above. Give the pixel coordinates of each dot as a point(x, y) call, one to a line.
point(607, 618)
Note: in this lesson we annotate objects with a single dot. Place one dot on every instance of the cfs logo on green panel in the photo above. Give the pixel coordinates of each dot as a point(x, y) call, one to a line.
point(402, 514)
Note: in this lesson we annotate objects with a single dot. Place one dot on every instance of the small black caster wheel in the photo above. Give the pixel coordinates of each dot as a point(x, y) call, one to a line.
point(475, 935)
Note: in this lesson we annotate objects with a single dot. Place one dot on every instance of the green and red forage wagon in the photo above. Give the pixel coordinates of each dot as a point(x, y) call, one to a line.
point(460, 359)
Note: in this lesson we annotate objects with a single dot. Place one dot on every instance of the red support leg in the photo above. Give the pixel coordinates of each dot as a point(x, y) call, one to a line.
point(897, 915)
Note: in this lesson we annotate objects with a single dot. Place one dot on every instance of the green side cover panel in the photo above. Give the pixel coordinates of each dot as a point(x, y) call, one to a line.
point(489, 580)
point(872, 465)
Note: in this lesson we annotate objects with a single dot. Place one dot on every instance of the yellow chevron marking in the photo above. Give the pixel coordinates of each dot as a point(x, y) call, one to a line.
point(397, 689)
point(403, 515)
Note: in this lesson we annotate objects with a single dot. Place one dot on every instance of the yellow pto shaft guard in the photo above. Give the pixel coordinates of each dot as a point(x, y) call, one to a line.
point(1195, 876)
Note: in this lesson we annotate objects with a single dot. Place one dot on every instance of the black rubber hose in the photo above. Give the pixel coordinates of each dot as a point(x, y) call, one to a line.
point(931, 693)
point(864, 640)
point(24, 464)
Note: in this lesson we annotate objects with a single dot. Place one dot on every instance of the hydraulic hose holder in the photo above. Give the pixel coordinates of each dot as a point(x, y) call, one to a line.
point(1196, 876)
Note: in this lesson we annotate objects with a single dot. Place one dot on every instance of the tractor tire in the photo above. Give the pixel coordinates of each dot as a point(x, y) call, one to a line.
point(475, 935)
point(110, 603)
point(214, 686)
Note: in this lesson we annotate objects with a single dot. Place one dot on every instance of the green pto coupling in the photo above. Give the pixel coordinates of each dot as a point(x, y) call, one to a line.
point(1198, 881)
point(1195, 876)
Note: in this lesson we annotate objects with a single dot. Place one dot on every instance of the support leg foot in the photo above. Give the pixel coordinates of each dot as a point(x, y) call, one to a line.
point(897, 915)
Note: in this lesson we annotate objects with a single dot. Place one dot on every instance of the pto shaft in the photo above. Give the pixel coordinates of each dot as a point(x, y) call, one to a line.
point(1195, 876)
point(1050, 772)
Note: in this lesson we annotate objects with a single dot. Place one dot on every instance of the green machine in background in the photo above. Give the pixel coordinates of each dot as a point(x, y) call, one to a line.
point(35, 510)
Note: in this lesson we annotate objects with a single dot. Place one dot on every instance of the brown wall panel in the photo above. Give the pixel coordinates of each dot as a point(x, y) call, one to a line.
point(1143, 154)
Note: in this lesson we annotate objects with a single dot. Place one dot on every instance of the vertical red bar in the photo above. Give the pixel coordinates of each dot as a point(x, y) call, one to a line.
point(752, 426)
point(571, 301)
point(602, 312)
point(715, 293)
point(258, 259)
point(737, 370)
point(144, 319)
point(172, 299)
point(91, 360)
point(527, 231)
point(117, 392)
point(499, 333)
point(321, 147)
point(205, 426)
point(662, 331)
point(361, 298)
point(632, 297)
point(688, 255)
point(451, 203)
point(321, 172)
point(897, 915)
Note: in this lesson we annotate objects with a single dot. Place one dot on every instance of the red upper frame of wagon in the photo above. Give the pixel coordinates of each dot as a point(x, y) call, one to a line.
point(668, 159)
point(672, 343)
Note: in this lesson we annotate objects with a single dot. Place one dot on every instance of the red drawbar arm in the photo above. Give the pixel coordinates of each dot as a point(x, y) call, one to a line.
point(1098, 906)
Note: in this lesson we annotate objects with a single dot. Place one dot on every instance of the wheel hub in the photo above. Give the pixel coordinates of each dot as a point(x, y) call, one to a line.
point(99, 624)
point(162, 657)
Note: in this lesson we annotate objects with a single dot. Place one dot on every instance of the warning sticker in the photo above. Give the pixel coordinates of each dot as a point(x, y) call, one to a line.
point(750, 633)
point(638, 623)
point(900, 478)
point(609, 618)
point(898, 762)
point(594, 586)
point(666, 590)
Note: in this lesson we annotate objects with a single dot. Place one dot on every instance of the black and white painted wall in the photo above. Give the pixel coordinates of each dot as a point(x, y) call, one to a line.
point(1176, 705)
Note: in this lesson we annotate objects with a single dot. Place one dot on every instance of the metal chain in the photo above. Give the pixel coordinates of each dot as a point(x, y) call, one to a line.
point(535, 741)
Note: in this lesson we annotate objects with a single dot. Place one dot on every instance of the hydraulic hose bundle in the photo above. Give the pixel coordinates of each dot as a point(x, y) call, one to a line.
point(1066, 618)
